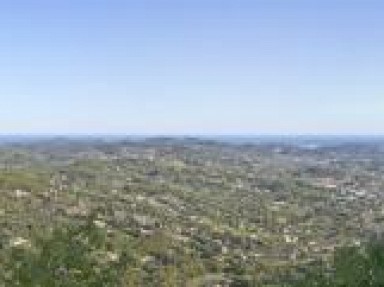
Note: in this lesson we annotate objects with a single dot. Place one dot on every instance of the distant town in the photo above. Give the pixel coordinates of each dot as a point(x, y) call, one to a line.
point(183, 211)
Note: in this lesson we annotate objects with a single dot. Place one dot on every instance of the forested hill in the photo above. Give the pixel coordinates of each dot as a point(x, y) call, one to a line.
point(190, 212)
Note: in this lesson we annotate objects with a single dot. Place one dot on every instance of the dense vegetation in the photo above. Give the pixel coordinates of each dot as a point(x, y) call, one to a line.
point(351, 266)
point(167, 212)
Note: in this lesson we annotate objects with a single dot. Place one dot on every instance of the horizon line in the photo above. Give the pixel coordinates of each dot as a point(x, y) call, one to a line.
point(246, 135)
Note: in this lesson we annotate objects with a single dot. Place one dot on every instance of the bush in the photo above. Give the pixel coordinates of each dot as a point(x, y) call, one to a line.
point(352, 267)
point(69, 256)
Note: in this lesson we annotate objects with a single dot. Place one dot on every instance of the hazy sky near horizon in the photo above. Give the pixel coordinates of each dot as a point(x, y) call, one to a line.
point(192, 66)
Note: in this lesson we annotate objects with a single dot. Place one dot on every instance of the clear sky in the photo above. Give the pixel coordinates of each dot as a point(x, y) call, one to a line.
point(192, 66)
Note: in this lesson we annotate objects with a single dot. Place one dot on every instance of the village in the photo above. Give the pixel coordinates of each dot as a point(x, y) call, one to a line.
point(186, 208)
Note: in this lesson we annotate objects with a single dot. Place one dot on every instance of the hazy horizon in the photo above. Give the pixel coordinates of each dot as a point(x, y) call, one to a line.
point(192, 67)
point(180, 135)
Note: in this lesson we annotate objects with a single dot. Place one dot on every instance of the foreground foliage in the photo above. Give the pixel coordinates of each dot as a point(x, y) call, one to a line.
point(352, 267)
point(69, 256)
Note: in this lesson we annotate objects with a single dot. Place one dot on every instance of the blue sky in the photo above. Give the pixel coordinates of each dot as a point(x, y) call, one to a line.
point(192, 66)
